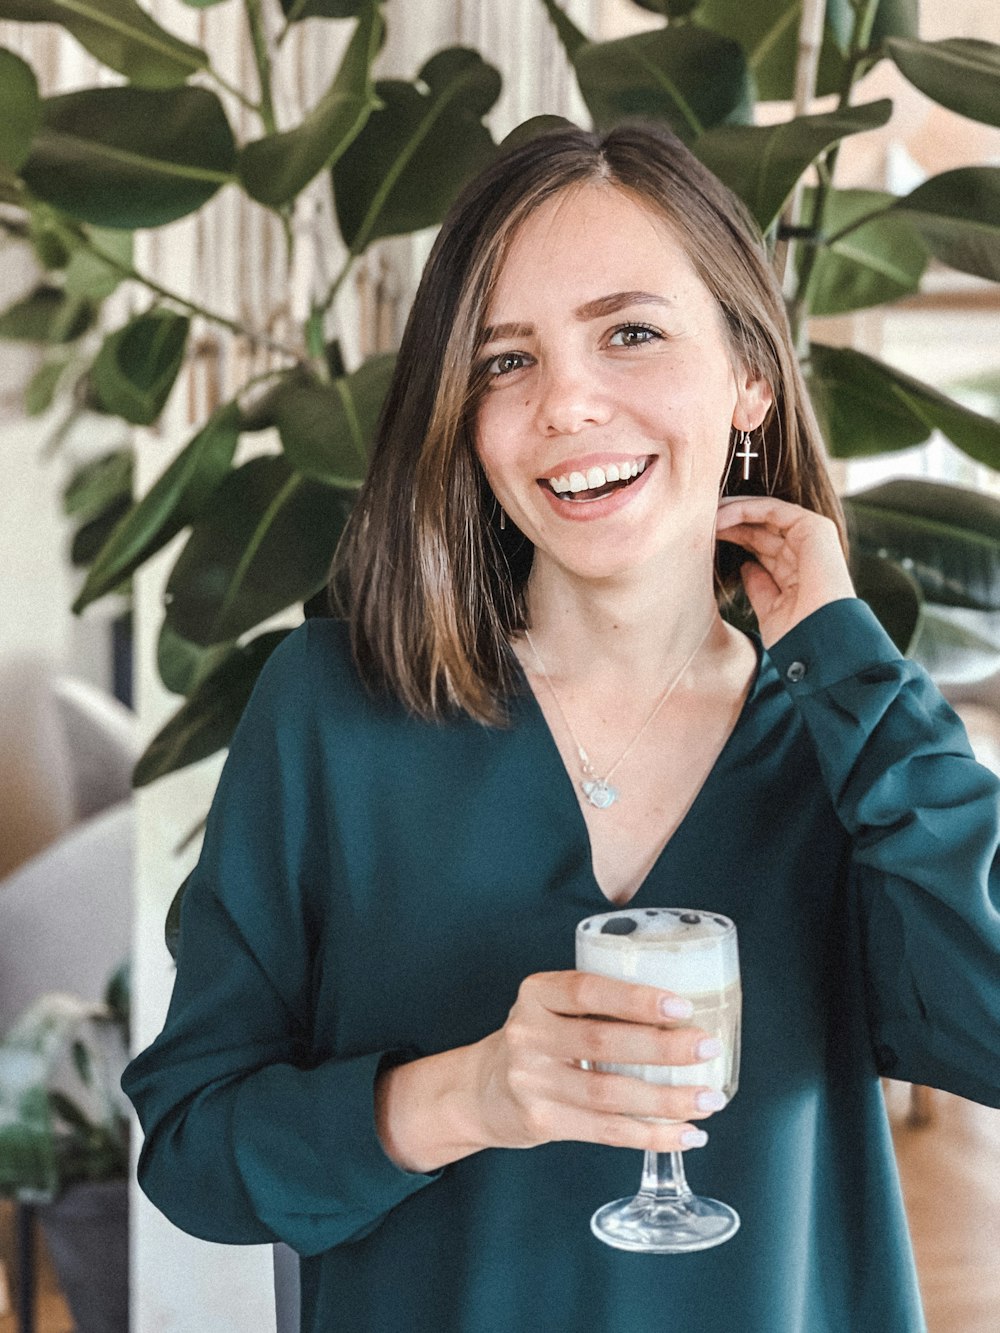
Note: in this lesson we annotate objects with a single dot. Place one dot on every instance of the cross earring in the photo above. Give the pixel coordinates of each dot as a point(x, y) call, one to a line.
point(745, 452)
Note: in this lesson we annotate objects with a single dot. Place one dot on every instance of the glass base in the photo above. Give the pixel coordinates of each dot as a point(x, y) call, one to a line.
point(648, 1225)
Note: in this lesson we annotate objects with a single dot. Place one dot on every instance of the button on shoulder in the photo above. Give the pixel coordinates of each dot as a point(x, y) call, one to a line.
point(796, 672)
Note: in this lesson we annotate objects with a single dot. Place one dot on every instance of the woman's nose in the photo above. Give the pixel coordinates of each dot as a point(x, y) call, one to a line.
point(570, 400)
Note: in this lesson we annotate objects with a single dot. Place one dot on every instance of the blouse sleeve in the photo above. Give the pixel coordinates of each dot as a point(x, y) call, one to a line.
point(924, 823)
point(248, 1138)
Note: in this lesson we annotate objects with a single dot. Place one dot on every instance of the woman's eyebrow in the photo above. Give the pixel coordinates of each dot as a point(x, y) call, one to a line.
point(599, 306)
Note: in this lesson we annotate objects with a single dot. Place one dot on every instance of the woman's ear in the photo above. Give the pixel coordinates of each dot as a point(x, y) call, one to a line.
point(754, 400)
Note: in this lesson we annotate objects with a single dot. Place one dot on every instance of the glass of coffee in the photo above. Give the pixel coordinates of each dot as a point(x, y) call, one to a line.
point(694, 954)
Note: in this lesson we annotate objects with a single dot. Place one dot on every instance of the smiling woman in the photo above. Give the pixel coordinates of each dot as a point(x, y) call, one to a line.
point(378, 1048)
point(573, 275)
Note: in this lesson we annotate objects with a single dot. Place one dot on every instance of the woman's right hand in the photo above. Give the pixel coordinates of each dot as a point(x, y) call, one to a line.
point(530, 1089)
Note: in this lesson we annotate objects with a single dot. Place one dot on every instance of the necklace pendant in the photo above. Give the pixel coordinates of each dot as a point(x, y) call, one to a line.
point(600, 793)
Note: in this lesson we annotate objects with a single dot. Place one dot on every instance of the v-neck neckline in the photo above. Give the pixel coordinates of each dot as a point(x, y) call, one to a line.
point(567, 787)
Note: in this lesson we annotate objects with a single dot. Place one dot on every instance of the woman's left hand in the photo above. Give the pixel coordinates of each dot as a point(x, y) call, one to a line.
point(799, 565)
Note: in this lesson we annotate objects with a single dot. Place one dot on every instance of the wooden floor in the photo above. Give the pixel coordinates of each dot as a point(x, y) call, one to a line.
point(951, 1177)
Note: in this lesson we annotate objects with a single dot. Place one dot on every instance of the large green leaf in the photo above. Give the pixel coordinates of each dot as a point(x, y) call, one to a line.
point(957, 645)
point(327, 429)
point(958, 216)
point(321, 9)
point(131, 157)
point(960, 73)
point(762, 163)
point(892, 593)
point(176, 499)
point(99, 483)
point(182, 664)
point(206, 721)
point(120, 35)
point(414, 154)
point(41, 390)
point(572, 37)
point(671, 8)
point(20, 110)
point(946, 537)
point(47, 315)
point(768, 30)
point(137, 365)
point(90, 275)
point(276, 168)
point(267, 542)
point(92, 536)
point(686, 75)
point(868, 407)
point(881, 260)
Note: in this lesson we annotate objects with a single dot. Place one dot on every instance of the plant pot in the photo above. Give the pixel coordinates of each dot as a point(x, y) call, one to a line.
point(86, 1230)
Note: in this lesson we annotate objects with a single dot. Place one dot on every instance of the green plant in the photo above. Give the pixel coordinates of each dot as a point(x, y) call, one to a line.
point(80, 172)
point(62, 1116)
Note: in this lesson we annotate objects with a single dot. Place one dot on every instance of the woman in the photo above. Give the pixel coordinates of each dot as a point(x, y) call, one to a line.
point(533, 710)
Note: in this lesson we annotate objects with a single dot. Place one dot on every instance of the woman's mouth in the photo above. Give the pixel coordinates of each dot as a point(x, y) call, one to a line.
point(596, 482)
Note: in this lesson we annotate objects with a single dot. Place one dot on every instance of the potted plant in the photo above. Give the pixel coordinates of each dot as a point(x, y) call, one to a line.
point(64, 1144)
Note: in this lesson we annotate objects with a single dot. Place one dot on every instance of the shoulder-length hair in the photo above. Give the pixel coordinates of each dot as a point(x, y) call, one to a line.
point(432, 589)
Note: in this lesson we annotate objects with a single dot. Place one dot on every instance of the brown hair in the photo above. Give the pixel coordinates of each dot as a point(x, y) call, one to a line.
point(431, 587)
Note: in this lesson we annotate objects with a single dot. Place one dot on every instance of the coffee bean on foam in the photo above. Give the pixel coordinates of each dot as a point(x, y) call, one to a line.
point(620, 925)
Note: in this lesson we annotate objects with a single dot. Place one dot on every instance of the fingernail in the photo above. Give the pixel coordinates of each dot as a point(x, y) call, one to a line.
point(708, 1048)
point(694, 1138)
point(675, 1006)
point(710, 1101)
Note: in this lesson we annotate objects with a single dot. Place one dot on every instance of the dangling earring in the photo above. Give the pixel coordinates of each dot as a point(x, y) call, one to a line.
point(503, 519)
point(744, 451)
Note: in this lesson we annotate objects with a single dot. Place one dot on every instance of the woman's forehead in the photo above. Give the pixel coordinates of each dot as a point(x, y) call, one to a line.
point(591, 233)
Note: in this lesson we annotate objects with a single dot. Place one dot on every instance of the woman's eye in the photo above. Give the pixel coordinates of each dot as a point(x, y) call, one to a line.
point(505, 364)
point(633, 335)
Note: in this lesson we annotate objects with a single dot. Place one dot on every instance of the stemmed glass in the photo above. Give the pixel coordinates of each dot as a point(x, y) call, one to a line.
point(692, 953)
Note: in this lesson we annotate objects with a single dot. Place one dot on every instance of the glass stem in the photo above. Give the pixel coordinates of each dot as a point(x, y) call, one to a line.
point(663, 1177)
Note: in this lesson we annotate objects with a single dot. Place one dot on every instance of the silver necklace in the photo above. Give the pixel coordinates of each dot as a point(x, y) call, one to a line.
point(599, 791)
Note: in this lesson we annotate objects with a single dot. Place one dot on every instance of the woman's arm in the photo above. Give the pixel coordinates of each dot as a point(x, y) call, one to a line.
point(924, 822)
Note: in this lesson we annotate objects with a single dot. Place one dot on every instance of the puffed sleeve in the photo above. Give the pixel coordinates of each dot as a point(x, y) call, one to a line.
point(924, 823)
point(248, 1138)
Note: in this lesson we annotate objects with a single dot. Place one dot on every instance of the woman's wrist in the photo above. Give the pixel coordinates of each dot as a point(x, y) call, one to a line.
point(426, 1112)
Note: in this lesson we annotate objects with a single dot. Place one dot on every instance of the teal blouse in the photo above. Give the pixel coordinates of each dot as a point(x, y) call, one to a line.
point(375, 887)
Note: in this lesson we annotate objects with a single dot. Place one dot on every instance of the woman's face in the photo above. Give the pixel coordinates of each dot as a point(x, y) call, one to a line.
point(604, 427)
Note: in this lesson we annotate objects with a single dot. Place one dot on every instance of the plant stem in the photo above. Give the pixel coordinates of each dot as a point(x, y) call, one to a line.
point(262, 59)
point(859, 52)
point(292, 15)
point(337, 283)
point(252, 336)
point(806, 71)
point(232, 89)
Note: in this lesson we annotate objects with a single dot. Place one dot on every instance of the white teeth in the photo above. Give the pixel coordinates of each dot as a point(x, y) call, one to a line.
point(596, 477)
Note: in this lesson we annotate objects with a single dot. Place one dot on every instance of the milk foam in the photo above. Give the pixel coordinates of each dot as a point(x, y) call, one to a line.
point(676, 948)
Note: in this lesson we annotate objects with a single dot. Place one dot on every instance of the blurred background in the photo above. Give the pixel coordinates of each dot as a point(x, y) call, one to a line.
point(88, 867)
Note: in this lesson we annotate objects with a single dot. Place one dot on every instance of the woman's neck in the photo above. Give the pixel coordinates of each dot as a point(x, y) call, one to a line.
point(629, 630)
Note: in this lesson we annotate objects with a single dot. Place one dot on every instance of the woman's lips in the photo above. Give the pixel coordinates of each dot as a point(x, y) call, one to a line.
point(584, 510)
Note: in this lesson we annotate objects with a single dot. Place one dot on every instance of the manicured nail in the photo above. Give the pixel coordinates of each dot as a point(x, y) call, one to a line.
point(675, 1006)
point(694, 1138)
point(710, 1101)
point(708, 1048)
